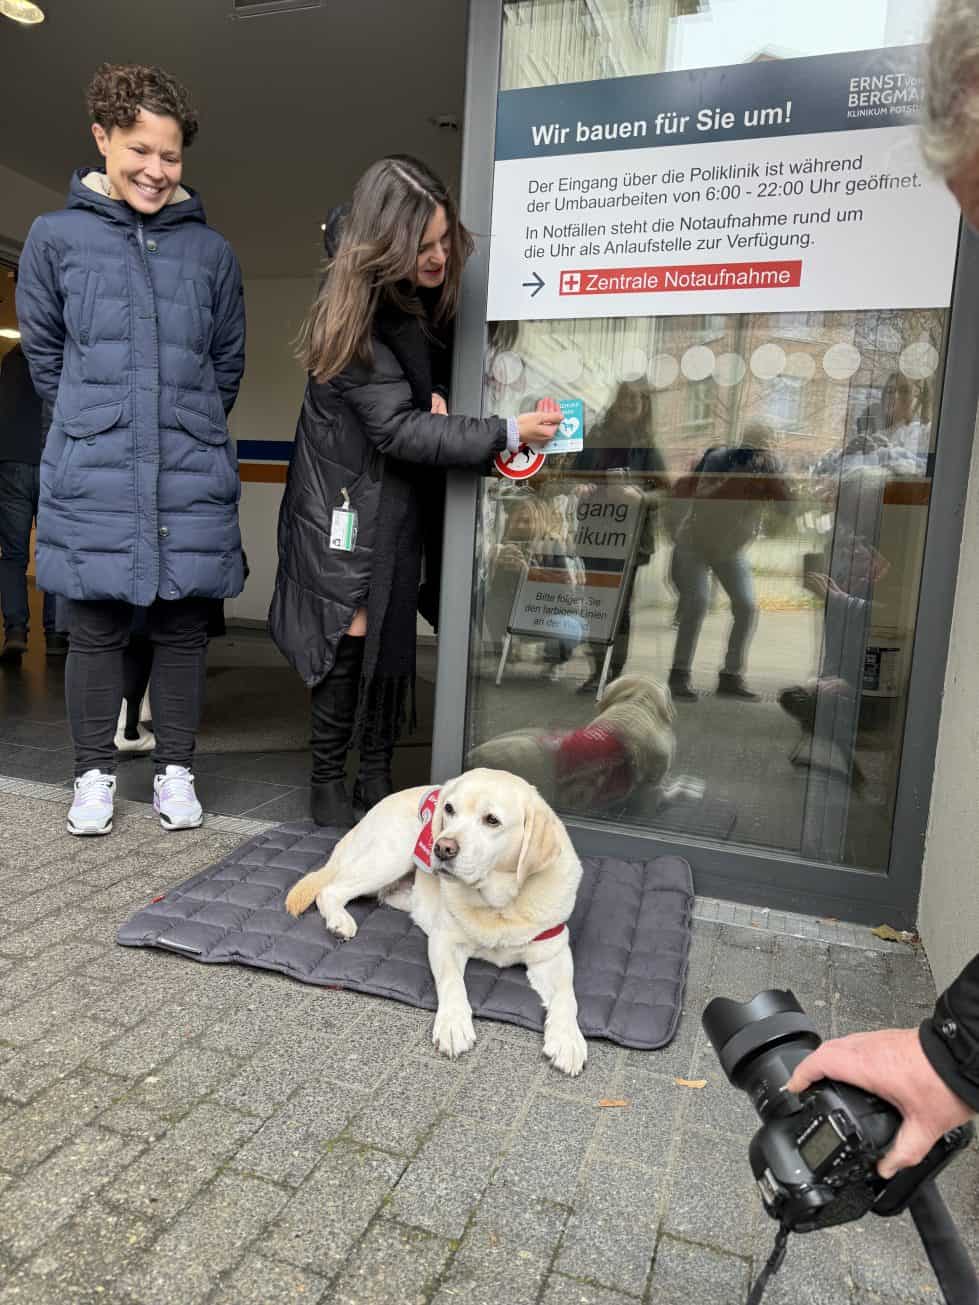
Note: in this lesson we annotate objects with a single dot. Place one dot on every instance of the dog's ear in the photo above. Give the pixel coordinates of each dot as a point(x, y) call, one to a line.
point(540, 843)
point(619, 690)
point(438, 815)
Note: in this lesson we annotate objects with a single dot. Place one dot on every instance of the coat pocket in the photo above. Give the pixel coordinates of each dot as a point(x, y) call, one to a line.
point(85, 425)
point(196, 317)
point(89, 295)
point(202, 426)
point(207, 431)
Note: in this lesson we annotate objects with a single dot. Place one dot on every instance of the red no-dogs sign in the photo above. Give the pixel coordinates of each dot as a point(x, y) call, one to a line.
point(520, 465)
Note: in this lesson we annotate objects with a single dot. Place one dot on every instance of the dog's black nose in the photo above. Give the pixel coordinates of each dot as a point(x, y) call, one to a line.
point(446, 849)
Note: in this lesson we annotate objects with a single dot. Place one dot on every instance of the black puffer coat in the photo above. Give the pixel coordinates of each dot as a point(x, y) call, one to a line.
point(347, 430)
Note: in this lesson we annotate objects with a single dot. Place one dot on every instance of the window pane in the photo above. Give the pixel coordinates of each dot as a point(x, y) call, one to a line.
point(782, 504)
point(745, 521)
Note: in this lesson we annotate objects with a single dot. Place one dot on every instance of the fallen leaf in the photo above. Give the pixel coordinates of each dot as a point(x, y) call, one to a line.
point(890, 934)
point(691, 1082)
point(609, 1103)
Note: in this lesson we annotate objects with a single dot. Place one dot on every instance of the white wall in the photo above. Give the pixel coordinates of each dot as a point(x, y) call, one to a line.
point(21, 200)
point(267, 409)
point(948, 913)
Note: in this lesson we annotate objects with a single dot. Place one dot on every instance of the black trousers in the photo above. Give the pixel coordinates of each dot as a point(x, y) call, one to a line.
point(94, 677)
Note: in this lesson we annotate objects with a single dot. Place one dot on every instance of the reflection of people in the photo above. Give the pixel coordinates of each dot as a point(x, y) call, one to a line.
point(369, 432)
point(845, 581)
point(929, 1074)
point(20, 454)
point(622, 452)
point(133, 321)
point(891, 434)
point(902, 428)
point(729, 491)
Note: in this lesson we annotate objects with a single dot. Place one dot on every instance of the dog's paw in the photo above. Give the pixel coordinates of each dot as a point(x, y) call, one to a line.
point(453, 1033)
point(566, 1049)
point(338, 920)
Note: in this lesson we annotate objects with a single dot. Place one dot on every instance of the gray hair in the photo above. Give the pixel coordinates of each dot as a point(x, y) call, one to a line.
point(758, 434)
point(950, 124)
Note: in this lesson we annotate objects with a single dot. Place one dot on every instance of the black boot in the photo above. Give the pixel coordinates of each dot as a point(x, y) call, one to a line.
point(730, 684)
point(334, 710)
point(680, 688)
point(14, 646)
point(381, 719)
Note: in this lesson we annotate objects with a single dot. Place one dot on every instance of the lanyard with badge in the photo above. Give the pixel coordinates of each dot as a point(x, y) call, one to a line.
point(343, 526)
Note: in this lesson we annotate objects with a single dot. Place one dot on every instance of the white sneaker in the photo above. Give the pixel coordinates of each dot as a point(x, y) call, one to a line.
point(91, 810)
point(175, 801)
point(145, 742)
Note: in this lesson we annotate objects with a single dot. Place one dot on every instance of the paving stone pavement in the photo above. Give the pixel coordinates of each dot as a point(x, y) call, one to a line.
point(178, 1132)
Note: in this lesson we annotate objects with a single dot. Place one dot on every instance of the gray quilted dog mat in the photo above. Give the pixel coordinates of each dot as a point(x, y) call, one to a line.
point(630, 935)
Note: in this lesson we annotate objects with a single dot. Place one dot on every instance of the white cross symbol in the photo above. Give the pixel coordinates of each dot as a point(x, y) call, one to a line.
point(570, 283)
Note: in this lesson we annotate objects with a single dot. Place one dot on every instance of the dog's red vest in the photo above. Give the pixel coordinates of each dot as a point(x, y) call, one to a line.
point(591, 765)
point(422, 856)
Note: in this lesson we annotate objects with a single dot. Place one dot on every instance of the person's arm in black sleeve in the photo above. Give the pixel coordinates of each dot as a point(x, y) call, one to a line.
point(658, 477)
point(228, 343)
point(40, 313)
point(382, 401)
point(950, 1038)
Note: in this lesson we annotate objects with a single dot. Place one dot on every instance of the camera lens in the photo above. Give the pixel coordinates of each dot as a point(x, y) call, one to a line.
point(759, 1043)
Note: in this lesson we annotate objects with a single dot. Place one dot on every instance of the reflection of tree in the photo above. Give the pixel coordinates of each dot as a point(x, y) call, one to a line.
point(583, 40)
point(818, 415)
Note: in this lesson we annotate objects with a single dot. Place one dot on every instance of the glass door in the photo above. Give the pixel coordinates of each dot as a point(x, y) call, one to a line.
point(697, 626)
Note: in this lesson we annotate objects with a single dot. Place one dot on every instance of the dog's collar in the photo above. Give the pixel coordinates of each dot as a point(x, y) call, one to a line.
point(422, 855)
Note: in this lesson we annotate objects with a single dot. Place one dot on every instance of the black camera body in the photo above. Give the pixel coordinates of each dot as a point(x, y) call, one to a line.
point(815, 1156)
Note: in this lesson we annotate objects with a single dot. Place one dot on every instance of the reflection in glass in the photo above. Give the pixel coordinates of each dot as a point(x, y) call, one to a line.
point(750, 502)
point(799, 572)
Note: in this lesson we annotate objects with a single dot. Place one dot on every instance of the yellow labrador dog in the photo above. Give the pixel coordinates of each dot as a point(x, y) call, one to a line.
point(501, 887)
point(629, 743)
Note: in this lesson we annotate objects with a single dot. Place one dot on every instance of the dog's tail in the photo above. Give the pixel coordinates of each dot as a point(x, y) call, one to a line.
point(303, 894)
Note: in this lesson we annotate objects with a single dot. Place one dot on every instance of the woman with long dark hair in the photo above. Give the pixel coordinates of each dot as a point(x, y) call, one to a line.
point(371, 430)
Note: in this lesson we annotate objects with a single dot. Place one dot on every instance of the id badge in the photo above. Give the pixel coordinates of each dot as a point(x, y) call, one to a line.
point(343, 530)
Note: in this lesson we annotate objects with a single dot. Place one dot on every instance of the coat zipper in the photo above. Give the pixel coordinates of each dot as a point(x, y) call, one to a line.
point(149, 282)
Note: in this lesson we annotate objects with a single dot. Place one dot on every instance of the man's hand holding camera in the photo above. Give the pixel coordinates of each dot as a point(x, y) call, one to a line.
point(892, 1065)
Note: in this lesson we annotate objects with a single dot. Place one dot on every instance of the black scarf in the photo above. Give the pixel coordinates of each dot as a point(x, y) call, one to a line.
point(388, 675)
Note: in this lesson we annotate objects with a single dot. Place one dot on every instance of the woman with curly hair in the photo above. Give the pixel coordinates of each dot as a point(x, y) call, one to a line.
point(132, 320)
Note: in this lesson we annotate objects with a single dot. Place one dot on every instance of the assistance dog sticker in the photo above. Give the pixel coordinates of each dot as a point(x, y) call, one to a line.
point(570, 437)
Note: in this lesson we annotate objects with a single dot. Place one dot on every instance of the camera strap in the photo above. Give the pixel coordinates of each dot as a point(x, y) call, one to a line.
point(772, 1266)
point(943, 1246)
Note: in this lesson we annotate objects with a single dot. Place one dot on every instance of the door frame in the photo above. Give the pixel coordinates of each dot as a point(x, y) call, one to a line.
point(756, 876)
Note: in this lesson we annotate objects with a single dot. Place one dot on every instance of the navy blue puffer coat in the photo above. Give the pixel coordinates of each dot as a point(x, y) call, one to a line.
point(134, 329)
